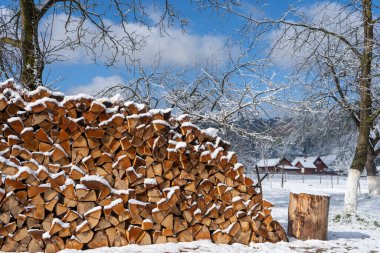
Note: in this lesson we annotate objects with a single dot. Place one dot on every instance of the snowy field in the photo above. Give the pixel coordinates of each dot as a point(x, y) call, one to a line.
point(357, 233)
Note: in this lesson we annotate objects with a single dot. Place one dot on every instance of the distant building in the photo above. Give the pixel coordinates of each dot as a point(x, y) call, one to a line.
point(310, 165)
point(290, 169)
point(275, 165)
point(332, 164)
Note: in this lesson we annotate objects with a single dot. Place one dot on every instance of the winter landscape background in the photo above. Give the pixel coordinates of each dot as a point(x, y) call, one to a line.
point(274, 78)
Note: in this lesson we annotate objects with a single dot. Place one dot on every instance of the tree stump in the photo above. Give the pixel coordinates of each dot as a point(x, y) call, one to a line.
point(308, 216)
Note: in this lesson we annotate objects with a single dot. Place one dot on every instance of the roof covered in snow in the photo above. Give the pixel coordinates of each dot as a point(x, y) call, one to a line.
point(306, 162)
point(287, 167)
point(329, 160)
point(268, 162)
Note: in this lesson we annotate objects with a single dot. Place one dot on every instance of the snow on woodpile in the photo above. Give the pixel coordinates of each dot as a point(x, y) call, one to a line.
point(80, 172)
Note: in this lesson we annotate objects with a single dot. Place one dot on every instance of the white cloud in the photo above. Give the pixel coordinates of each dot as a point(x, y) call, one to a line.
point(175, 48)
point(97, 84)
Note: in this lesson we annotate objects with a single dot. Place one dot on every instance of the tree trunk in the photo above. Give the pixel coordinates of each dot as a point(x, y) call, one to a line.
point(365, 104)
point(374, 185)
point(371, 156)
point(350, 202)
point(358, 163)
point(308, 216)
point(372, 176)
point(32, 64)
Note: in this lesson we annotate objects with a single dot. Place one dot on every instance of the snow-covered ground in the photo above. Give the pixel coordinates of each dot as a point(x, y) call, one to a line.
point(357, 233)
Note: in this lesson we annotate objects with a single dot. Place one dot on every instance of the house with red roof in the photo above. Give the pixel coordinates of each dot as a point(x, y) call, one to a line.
point(310, 165)
point(276, 165)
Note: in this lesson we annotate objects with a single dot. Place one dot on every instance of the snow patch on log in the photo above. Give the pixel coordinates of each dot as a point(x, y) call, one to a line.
point(189, 124)
point(137, 202)
point(89, 178)
point(94, 209)
point(62, 224)
point(161, 122)
point(113, 204)
point(150, 181)
point(170, 191)
point(139, 107)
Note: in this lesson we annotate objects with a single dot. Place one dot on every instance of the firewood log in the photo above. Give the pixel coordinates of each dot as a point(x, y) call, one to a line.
point(74, 243)
point(85, 173)
point(99, 240)
point(85, 237)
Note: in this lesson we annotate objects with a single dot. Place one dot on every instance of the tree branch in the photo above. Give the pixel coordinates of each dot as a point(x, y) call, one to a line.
point(375, 114)
point(11, 42)
point(47, 7)
point(342, 101)
point(293, 24)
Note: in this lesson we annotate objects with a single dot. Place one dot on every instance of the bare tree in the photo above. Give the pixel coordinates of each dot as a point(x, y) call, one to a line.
point(337, 52)
point(26, 28)
point(146, 86)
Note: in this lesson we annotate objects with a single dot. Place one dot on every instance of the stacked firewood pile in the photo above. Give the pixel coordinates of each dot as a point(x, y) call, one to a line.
point(79, 173)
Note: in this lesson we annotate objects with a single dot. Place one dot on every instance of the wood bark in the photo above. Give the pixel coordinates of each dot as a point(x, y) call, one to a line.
point(308, 216)
point(370, 165)
point(32, 65)
point(373, 177)
point(365, 115)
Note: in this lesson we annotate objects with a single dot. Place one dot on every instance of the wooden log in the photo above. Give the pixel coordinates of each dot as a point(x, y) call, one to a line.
point(308, 216)
point(133, 233)
point(158, 238)
point(220, 237)
point(97, 107)
point(20, 234)
point(73, 243)
point(186, 235)
point(109, 173)
point(86, 236)
point(203, 234)
point(34, 246)
point(93, 216)
point(9, 245)
point(168, 221)
point(3, 103)
point(99, 240)
point(147, 224)
point(144, 238)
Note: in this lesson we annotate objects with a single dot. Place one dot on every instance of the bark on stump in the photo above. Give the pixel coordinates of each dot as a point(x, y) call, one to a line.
point(308, 216)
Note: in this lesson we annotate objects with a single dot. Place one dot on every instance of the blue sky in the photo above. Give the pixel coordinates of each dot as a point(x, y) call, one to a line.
point(203, 39)
point(202, 24)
